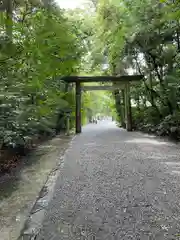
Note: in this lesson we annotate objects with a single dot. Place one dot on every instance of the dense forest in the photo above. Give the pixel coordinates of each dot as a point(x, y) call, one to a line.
point(143, 37)
point(40, 43)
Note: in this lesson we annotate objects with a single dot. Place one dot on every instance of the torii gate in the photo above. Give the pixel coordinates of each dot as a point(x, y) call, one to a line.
point(119, 82)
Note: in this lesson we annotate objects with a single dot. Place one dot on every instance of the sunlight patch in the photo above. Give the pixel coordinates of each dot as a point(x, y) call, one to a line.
point(146, 140)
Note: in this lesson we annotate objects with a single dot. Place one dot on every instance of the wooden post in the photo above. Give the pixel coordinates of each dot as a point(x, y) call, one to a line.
point(68, 125)
point(123, 124)
point(128, 108)
point(78, 107)
point(117, 101)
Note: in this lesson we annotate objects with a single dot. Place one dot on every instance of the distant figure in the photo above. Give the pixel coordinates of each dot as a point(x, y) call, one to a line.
point(94, 120)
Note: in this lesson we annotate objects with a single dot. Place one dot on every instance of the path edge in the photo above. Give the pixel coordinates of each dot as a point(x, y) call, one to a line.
point(34, 221)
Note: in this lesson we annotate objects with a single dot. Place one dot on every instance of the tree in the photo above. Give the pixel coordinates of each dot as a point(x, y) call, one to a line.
point(140, 36)
point(44, 47)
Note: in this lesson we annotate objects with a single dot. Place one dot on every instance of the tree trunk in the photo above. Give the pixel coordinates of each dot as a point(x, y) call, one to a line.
point(9, 21)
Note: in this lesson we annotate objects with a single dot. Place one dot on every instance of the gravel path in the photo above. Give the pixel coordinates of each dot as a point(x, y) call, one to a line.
point(116, 185)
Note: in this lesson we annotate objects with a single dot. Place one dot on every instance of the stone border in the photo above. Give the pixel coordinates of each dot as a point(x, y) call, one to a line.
point(36, 216)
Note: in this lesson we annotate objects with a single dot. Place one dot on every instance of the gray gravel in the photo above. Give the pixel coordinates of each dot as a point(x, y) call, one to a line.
point(116, 185)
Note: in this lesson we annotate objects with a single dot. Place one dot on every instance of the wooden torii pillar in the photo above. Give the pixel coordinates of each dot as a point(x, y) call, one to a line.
point(128, 113)
point(123, 117)
point(78, 108)
point(125, 102)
